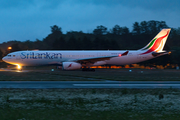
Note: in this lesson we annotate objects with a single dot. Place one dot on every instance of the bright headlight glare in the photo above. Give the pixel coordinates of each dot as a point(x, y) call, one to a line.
point(18, 67)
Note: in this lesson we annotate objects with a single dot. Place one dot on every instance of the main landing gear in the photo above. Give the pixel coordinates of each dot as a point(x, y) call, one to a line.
point(88, 69)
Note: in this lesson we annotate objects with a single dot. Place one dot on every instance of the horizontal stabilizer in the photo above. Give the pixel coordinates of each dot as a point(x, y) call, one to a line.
point(155, 54)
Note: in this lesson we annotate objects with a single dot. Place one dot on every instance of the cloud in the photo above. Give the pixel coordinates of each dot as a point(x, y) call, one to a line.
point(31, 19)
point(11, 4)
point(145, 4)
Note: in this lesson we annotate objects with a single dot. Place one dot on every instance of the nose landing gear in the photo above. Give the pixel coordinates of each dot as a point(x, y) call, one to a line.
point(19, 68)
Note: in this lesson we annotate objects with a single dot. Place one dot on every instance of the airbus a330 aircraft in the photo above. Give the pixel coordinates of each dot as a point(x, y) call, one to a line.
point(71, 60)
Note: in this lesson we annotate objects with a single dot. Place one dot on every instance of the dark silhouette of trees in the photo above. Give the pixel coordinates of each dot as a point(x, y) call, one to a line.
point(100, 30)
point(1, 54)
point(56, 29)
point(144, 27)
point(86, 43)
point(116, 38)
point(125, 31)
point(117, 30)
point(38, 44)
point(113, 45)
point(136, 28)
point(73, 43)
point(15, 47)
point(59, 44)
point(148, 27)
point(56, 34)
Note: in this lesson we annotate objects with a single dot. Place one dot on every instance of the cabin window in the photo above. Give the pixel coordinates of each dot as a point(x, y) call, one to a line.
point(13, 55)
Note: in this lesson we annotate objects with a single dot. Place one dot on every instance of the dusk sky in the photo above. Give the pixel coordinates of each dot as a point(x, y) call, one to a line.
point(31, 19)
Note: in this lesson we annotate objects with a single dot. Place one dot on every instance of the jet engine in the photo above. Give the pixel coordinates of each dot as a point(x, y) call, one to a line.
point(71, 65)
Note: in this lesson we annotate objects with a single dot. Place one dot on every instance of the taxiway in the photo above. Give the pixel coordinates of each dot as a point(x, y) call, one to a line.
point(89, 84)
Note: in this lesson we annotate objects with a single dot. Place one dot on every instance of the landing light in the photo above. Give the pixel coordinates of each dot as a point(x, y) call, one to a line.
point(18, 67)
point(9, 48)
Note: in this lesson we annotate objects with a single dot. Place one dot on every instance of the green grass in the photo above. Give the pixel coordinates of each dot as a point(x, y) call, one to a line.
point(100, 74)
point(59, 114)
point(36, 104)
point(88, 104)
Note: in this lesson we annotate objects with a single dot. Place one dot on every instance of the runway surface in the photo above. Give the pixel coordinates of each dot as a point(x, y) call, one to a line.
point(89, 84)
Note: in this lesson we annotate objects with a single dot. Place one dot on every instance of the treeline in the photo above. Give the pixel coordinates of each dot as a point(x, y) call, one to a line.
point(102, 38)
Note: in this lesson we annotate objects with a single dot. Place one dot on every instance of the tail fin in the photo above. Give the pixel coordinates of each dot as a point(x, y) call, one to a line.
point(157, 43)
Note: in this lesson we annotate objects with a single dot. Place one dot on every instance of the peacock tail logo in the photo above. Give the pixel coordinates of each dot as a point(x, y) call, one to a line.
point(70, 65)
point(155, 45)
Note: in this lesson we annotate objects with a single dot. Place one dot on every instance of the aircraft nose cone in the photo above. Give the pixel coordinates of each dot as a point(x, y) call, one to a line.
point(4, 59)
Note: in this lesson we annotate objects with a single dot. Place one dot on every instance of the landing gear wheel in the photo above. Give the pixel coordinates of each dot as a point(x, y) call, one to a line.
point(88, 69)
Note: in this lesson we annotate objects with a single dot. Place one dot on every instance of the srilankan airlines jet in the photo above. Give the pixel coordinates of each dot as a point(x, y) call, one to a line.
point(72, 60)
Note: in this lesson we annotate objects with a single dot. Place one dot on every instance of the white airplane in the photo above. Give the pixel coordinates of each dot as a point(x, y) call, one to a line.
point(71, 60)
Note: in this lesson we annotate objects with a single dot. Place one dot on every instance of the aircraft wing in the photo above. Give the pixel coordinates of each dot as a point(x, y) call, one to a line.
point(96, 59)
point(93, 59)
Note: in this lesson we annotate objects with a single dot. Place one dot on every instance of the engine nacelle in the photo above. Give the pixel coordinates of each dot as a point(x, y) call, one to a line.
point(71, 65)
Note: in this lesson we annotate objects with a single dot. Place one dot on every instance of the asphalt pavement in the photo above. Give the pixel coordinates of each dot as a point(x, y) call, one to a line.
point(89, 84)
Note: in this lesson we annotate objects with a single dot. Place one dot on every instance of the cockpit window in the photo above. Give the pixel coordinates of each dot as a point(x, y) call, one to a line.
point(9, 55)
